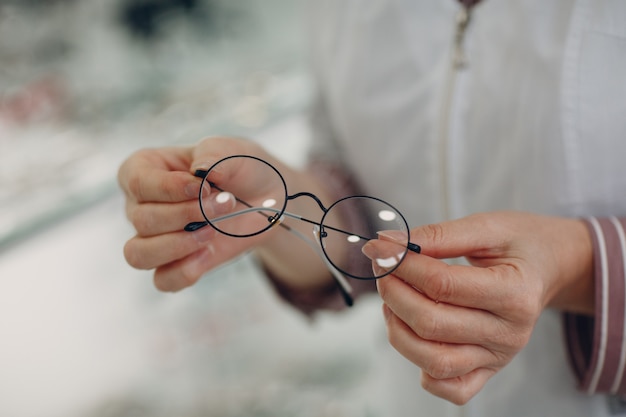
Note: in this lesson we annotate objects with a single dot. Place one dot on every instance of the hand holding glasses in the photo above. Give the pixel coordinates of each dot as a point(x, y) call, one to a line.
point(234, 206)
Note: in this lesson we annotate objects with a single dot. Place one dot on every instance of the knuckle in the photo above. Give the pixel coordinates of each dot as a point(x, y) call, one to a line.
point(168, 188)
point(128, 172)
point(460, 395)
point(516, 339)
point(128, 207)
point(132, 254)
point(523, 301)
point(428, 326)
point(526, 308)
point(124, 172)
point(434, 233)
point(134, 185)
point(533, 305)
point(510, 338)
point(393, 336)
point(139, 219)
point(381, 286)
point(440, 367)
point(187, 279)
point(441, 287)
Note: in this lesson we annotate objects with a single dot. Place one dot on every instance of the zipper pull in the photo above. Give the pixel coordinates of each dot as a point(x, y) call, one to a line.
point(462, 22)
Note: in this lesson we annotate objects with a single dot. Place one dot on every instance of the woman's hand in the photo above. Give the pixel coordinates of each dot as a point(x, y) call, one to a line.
point(462, 323)
point(162, 197)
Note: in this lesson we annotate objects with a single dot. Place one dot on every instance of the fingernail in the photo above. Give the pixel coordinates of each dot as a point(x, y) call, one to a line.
point(384, 258)
point(192, 190)
point(394, 235)
point(370, 250)
point(221, 202)
point(390, 262)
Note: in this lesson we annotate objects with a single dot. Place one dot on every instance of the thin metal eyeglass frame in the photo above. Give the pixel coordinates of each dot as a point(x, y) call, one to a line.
point(276, 219)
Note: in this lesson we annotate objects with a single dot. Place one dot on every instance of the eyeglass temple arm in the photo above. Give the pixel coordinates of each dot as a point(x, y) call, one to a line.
point(344, 286)
point(342, 283)
point(193, 226)
point(413, 247)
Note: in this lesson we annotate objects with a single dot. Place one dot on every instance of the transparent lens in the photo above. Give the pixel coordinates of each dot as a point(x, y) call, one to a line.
point(343, 248)
point(242, 196)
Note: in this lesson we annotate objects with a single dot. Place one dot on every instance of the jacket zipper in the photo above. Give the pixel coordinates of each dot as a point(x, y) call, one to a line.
point(457, 63)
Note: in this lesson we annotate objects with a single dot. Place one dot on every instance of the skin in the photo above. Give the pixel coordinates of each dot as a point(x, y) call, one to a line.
point(459, 323)
point(162, 197)
point(463, 323)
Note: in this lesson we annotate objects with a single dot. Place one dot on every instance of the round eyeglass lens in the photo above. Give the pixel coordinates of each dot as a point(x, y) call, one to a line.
point(343, 247)
point(242, 196)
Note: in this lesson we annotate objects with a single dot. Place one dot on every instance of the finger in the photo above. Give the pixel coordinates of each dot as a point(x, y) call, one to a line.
point(462, 285)
point(440, 360)
point(154, 251)
point(185, 272)
point(478, 235)
point(159, 176)
point(211, 150)
point(151, 219)
point(254, 175)
point(448, 323)
point(458, 390)
point(162, 186)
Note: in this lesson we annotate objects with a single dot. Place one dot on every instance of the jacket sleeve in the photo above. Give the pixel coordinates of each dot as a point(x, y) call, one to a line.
point(340, 184)
point(597, 345)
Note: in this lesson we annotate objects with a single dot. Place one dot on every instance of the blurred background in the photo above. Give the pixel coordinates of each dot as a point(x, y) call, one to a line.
point(84, 83)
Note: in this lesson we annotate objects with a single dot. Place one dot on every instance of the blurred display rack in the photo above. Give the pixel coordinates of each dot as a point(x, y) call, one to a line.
point(50, 172)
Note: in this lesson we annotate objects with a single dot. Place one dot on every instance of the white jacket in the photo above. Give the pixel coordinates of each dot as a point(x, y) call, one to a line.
point(536, 121)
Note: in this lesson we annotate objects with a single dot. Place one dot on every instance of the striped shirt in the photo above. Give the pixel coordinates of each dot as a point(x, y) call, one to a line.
point(596, 344)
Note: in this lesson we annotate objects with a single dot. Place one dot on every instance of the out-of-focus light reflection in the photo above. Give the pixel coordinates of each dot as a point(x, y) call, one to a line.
point(389, 262)
point(270, 202)
point(224, 197)
point(353, 239)
point(387, 215)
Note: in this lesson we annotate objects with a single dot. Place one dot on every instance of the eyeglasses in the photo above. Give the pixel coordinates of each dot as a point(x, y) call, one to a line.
point(235, 206)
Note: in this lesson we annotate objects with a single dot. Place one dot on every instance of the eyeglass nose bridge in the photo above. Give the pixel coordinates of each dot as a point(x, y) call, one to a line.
point(319, 231)
point(310, 195)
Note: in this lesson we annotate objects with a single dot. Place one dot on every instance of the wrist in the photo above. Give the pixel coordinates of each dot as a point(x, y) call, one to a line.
point(576, 293)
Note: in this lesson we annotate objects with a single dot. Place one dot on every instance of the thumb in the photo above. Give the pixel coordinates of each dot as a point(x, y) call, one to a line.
point(211, 150)
point(470, 236)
